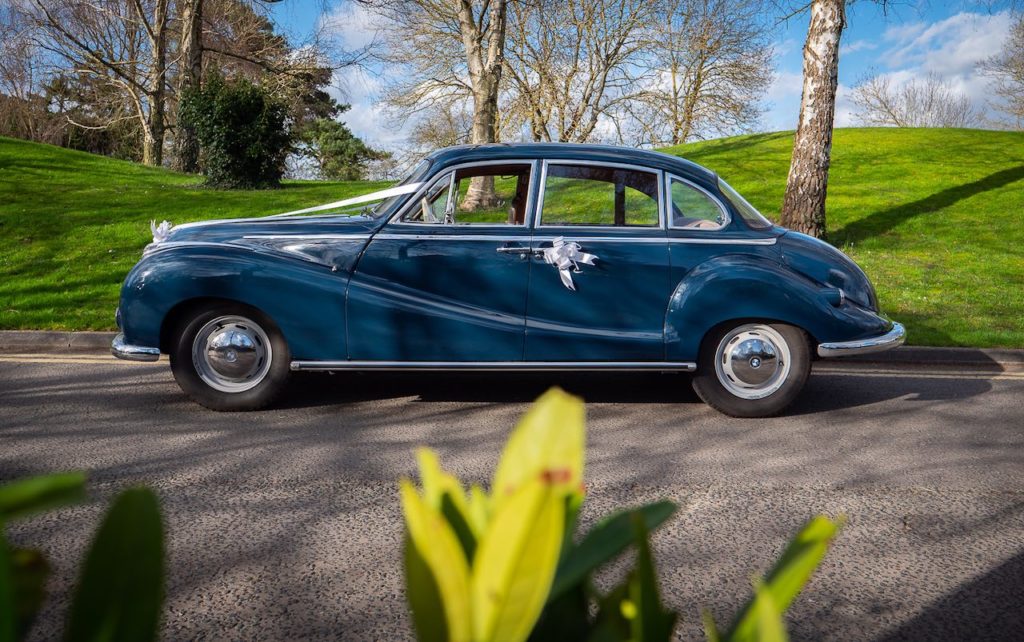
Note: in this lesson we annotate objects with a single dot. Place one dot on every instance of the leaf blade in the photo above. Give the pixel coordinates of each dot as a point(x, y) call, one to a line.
point(24, 497)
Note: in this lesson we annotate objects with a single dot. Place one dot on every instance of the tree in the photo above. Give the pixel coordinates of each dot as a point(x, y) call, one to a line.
point(190, 73)
point(454, 51)
point(1007, 70)
point(803, 207)
point(710, 62)
point(121, 44)
point(242, 131)
point(571, 63)
point(927, 102)
point(337, 152)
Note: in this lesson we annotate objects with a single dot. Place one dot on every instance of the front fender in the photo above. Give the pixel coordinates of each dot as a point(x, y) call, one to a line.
point(735, 287)
point(304, 299)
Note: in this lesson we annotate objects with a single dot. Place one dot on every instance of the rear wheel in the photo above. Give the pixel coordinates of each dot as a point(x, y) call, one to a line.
point(230, 357)
point(753, 369)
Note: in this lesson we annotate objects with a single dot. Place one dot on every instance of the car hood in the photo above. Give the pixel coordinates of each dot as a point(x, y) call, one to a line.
point(827, 265)
point(233, 230)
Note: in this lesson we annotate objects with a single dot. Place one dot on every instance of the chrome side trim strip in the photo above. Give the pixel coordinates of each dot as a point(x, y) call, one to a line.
point(497, 366)
point(524, 238)
point(307, 237)
point(894, 337)
point(128, 352)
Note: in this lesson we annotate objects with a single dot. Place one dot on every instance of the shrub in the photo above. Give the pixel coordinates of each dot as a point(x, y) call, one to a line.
point(506, 565)
point(242, 132)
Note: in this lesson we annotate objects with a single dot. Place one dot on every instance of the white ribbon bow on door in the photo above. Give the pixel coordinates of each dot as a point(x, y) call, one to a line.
point(566, 257)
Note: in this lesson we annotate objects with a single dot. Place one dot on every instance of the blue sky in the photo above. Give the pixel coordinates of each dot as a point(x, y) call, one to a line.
point(910, 41)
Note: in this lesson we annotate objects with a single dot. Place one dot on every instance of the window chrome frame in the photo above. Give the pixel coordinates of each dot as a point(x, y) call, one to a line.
point(632, 229)
point(531, 194)
point(727, 215)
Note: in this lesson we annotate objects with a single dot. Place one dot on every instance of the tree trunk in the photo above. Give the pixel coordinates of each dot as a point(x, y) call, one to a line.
point(485, 78)
point(803, 208)
point(153, 143)
point(186, 147)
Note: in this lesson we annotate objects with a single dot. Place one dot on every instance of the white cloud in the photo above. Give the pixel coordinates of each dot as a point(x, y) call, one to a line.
point(855, 46)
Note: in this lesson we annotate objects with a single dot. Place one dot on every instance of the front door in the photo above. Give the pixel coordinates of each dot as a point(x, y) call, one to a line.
point(446, 281)
point(599, 280)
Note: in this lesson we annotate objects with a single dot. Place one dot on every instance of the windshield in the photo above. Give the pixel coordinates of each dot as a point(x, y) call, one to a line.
point(417, 174)
point(748, 212)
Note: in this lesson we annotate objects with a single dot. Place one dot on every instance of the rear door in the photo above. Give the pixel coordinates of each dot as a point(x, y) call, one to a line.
point(599, 281)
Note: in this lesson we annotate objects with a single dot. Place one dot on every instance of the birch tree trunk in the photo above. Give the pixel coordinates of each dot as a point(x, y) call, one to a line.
point(186, 147)
point(803, 208)
point(485, 47)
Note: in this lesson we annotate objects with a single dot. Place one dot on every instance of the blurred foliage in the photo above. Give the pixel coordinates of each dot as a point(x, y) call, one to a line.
point(120, 589)
point(506, 565)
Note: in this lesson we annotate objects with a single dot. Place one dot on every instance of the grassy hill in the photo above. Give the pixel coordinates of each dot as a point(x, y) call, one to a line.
point(935, 217)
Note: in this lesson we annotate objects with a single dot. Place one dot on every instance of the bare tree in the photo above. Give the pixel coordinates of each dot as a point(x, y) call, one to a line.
point(709, 62)
point(926, 102)
point(803, 207)
point(190, 72)
point(452, 51)
point(121, 44)
point(572, 63)
point(1007, 70)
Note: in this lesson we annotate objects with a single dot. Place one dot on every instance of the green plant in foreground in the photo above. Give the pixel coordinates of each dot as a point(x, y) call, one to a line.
point(120, 588)
point(505, 565)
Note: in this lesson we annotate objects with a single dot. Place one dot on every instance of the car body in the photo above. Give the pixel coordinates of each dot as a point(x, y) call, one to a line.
point(576, 257)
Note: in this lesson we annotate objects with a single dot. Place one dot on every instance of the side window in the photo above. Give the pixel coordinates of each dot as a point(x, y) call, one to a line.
point(595, 195)
point(484, 195)
point(693, 209)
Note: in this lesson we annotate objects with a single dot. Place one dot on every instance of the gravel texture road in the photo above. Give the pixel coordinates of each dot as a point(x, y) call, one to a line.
point(285, 524)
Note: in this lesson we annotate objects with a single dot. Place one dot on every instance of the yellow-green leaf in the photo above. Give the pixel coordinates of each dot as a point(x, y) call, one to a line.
point(439, 548)
point(770, 627)
point(515, 562)
point(479, 511)
point(548, 442)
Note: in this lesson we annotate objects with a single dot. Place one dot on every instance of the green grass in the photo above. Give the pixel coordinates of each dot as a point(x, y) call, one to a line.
point(935, 217)
point(73, 224)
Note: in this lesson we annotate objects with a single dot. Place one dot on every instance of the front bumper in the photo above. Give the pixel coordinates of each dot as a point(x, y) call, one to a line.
point(894, 337)
point(128, 352)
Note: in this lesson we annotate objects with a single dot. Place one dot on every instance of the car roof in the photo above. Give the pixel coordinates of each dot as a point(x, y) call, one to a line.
point(572, 151)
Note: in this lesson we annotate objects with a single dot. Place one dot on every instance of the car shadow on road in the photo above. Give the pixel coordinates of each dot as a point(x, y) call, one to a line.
point(825, 392)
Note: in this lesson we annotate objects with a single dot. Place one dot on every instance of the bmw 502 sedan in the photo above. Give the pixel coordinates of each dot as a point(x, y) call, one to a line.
point(519, 257)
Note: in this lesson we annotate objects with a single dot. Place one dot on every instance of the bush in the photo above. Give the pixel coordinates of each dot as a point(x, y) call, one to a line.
point(506, 565)
point(242, 132)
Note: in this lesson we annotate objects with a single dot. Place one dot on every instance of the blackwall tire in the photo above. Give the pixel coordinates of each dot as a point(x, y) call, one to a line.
point(753, 369)
point(230, 357)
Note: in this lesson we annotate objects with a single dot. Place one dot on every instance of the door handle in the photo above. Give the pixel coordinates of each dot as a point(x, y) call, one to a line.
point(515, 250)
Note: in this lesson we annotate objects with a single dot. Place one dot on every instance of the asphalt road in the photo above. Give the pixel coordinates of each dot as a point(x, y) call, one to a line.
point(285, 524)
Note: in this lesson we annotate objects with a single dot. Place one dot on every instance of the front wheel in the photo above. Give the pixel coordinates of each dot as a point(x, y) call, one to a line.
point(230, 357)
point(753, 369)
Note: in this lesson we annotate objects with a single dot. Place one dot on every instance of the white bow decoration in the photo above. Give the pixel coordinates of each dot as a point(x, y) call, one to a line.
point(161, 231)
point(566, 257)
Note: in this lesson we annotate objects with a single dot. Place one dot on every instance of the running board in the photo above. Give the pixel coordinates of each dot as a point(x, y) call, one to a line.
point(498, 366)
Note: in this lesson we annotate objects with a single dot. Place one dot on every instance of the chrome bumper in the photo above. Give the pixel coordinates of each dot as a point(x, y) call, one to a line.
point(894, 337)
point(122, 350)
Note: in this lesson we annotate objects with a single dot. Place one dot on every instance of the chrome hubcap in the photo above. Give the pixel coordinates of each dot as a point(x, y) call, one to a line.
point(752, 361)
point(232, 354)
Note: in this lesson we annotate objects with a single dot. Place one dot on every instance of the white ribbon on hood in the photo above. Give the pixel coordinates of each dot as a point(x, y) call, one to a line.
point(408, 188)
point(566, 257)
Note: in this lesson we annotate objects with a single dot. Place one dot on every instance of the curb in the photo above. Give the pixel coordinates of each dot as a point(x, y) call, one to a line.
point(32, 341)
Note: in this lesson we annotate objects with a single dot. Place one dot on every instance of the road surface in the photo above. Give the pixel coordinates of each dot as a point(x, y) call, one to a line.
point(285, 524)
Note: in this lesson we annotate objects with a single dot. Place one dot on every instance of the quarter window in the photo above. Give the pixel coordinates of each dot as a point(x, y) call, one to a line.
point(482, 195)
point(693, 209)
point(596, 195)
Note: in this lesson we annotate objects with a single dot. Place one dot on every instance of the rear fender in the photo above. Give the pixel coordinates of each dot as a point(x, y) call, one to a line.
point(743, 287)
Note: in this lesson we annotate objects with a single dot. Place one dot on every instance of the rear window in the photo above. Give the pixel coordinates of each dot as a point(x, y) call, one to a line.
point(748, 212)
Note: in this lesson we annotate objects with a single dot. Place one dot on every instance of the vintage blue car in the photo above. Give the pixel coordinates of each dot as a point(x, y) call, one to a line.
point(505, 257)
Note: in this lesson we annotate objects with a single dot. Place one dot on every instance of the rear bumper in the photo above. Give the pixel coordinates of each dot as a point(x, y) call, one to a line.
point(894, 337)
point(128, 352)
